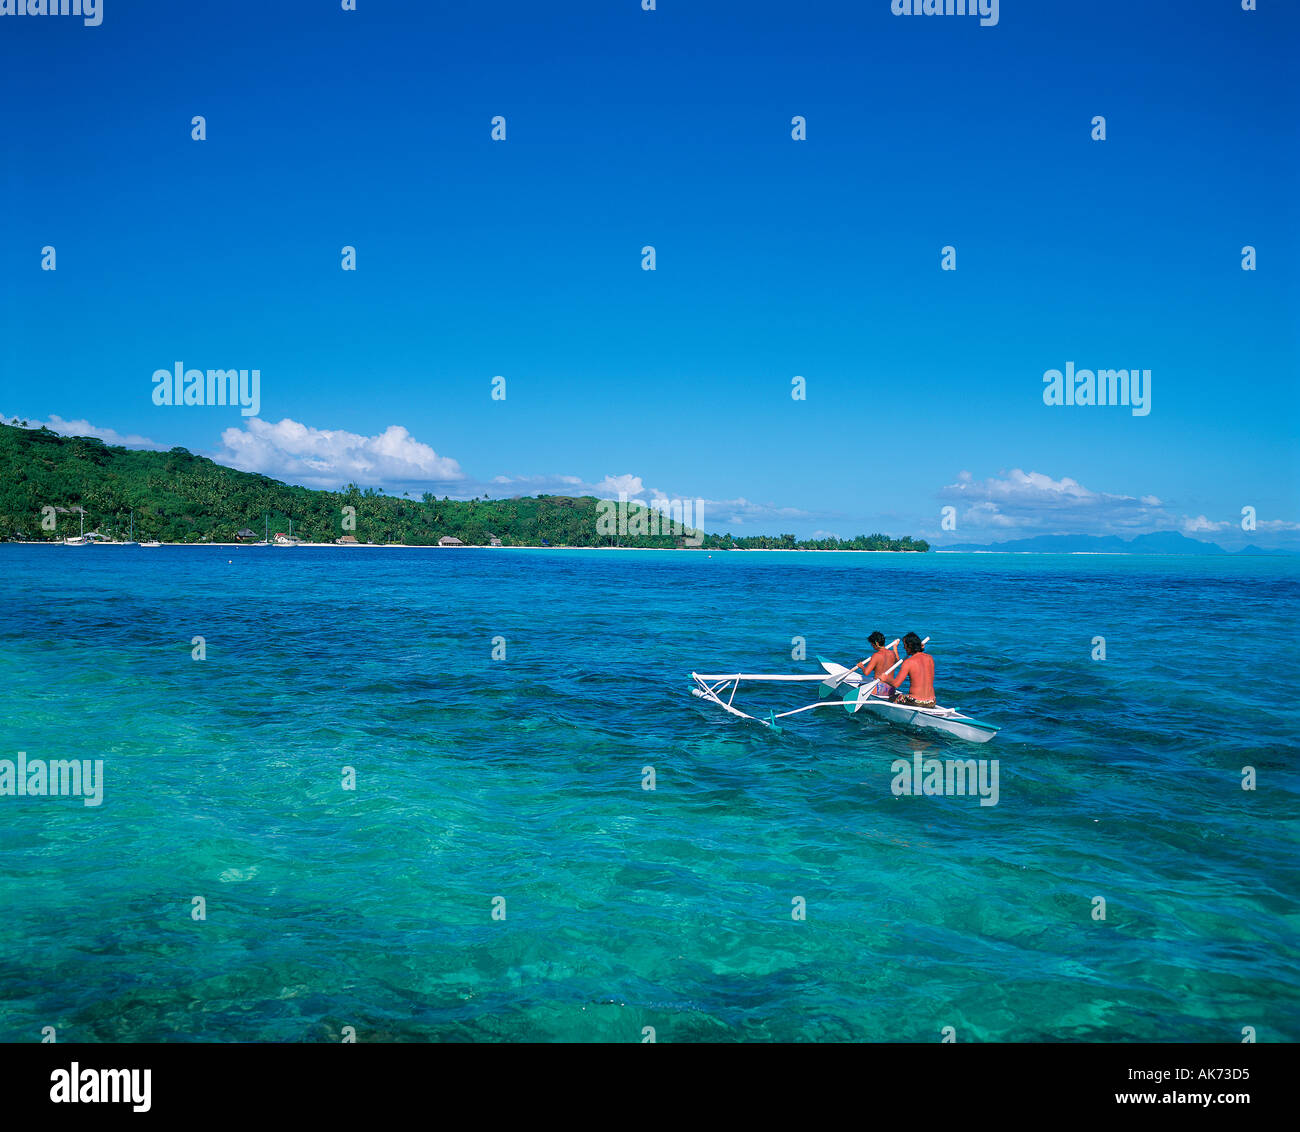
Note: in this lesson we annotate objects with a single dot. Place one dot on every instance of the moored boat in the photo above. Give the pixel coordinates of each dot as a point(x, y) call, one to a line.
point(81, 539)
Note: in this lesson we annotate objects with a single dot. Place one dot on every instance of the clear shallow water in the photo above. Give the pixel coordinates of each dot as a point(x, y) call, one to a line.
point(628, 908)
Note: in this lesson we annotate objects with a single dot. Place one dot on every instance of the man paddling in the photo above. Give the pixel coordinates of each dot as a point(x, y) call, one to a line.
point(882, 660)
point(919, 668)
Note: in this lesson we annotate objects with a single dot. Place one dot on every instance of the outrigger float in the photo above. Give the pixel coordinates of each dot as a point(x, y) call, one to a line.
point(844, 688)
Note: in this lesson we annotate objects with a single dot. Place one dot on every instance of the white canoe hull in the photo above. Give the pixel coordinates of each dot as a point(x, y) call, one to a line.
point(948, 720)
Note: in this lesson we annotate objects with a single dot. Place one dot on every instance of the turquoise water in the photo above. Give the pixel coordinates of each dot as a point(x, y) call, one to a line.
point(625, 908)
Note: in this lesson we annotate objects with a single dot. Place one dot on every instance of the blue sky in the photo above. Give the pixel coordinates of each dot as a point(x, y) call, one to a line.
point(775, 258)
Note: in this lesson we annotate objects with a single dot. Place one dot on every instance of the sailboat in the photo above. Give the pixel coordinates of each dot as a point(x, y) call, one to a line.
point(81, 539)
point(131, 537)
point(266, 532)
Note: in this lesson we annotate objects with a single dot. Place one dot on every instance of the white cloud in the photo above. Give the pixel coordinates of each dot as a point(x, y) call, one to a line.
point(1020, 486)
point(330, 458)
point(1202, 524)
point(720, 514)
point(528, 481)
point(1034, 503)
point(633, 486)
point(714, 515)
point(987, 514)
point(545, 485)
point(1020, 504)
point(84, 428)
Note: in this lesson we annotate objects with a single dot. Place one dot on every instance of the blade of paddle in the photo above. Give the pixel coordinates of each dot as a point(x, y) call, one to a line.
point(839, 678)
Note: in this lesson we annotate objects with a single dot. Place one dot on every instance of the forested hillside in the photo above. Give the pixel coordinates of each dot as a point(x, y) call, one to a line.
point(179, 497)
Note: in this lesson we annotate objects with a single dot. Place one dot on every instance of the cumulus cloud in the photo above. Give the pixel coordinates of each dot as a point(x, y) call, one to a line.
point(84, 428)
point(546, 485)
point(718, 514)
point(1191, 526)
point(1018, 504)
point(986, 514)
point(331, 458)
point(631, 486)
point(1035, 503)
point(610, 487)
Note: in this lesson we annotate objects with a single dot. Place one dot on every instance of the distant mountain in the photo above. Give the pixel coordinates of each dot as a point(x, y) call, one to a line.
point(1162, 542)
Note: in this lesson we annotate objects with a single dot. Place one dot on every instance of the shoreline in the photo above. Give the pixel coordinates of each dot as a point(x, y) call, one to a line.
point(662, 549)
point(434, 546)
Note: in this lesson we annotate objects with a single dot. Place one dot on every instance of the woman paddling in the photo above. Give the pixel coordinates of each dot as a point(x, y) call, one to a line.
point(882, 660)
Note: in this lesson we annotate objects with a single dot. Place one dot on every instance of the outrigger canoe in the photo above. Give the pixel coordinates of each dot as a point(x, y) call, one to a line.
point(844, 688)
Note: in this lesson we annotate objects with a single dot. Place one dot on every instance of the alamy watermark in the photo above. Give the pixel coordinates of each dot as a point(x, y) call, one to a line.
point(75, 1085)
point(679, 518)
point(59, 778)
point(181, 386)
point(1104, 387)
point(950, 777)
point(91, 11)
point(987, 10)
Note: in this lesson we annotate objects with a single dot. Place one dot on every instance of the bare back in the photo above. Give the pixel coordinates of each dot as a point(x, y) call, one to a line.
point(881, 662)
point(919, 668)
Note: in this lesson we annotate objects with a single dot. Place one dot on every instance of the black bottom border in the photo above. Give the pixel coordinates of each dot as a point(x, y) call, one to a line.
point(633, 1081)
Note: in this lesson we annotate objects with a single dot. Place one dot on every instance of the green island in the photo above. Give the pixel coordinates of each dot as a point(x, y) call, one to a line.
point(48, 482)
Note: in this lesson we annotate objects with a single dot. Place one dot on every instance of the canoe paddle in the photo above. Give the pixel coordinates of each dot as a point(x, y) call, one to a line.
point(837, 680)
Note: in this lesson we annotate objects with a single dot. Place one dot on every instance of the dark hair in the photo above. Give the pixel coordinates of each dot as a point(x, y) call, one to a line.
point(878, 639)
point(913, 643)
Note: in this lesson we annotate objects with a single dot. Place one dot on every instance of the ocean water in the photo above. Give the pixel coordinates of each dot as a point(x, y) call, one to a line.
point(521, 778)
